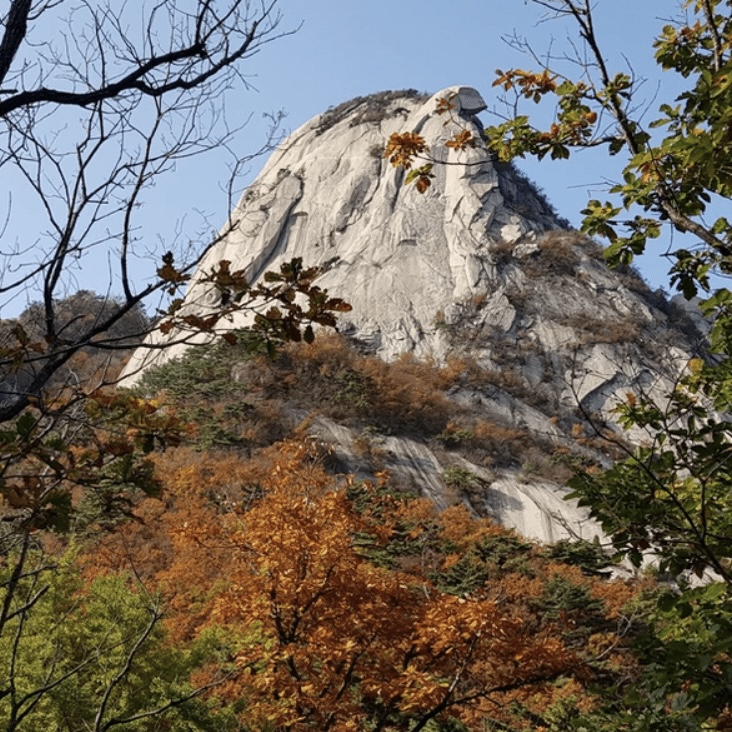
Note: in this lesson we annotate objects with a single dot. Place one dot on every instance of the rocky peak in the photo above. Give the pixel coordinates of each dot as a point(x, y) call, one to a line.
point(400, 258)
point(478, 267)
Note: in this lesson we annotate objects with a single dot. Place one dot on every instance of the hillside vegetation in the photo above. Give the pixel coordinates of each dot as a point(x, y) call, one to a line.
point(252, 585)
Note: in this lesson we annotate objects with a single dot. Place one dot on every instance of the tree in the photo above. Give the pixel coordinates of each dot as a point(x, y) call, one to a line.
point(94, 655)
point(670, 497)
point(98, 104)
point(672, 179)
point(92, 117)
point(356, 606)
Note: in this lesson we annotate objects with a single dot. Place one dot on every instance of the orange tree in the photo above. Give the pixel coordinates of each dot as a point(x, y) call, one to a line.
point(76, 461)
point(345, 606)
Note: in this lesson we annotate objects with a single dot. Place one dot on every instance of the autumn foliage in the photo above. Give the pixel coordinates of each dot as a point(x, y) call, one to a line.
point(292, 597)
point(346, 606)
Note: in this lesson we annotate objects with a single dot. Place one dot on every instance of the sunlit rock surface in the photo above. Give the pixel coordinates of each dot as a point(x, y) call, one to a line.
point(399, 257)
point(537, 509)
point(479, 267)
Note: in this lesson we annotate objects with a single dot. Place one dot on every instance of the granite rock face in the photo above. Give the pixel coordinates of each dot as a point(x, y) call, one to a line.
point(479, 267)
point(534, 507)
point(328, 196)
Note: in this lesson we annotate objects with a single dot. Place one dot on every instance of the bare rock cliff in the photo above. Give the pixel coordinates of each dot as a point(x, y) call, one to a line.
point(479, 266)
point(400, 258)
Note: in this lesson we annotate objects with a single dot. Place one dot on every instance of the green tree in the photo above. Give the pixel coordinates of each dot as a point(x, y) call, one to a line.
point(96, 657)
point(670, 498)
point(669, 177)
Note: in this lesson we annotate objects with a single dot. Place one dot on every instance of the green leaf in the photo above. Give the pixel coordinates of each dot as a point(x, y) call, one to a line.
point(715, 591)
point(667, 602)
point(25, 425)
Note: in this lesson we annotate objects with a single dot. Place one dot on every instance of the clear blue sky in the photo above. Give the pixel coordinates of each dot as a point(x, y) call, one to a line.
point(345, 48)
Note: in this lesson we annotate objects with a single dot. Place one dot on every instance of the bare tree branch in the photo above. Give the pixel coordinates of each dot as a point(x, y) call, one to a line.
point(103, 114)
point(16, 27)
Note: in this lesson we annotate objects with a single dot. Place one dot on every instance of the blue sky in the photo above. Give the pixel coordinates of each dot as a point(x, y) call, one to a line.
point(340, 49)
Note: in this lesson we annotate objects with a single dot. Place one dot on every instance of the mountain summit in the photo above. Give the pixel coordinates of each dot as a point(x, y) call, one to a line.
point(327, 195)
point(478, 267)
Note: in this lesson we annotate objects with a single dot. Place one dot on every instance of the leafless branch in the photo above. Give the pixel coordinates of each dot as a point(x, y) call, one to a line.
point(101, 113)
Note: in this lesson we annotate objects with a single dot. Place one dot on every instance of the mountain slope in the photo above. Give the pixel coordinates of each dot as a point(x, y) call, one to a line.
point(479, 271)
